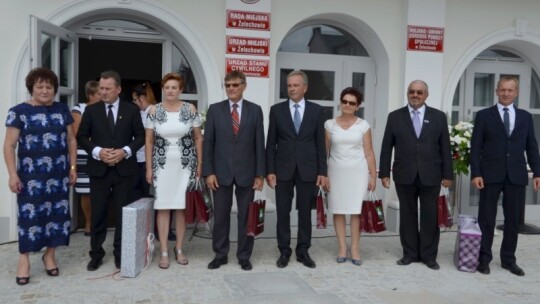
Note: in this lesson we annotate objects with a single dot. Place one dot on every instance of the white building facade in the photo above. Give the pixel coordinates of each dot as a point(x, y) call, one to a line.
point(376, 46)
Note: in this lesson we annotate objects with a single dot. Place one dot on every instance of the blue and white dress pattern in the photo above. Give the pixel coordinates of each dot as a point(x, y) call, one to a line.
point(43, 166)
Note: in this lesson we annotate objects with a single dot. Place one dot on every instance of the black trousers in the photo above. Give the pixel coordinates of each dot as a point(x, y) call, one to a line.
point(418, 242)
point(223, 198)
point(305, 196)
point(100, 188)
point(513, 196)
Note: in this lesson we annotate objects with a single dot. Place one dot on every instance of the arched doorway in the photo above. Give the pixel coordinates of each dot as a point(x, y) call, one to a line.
point(333, 59)
point(138, 23)
point(476, 91)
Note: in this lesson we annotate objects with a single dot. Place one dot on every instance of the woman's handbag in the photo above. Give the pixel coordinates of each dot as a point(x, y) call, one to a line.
point(255, 225)
point(372, 217)
point(444, 210)
point(321, 215)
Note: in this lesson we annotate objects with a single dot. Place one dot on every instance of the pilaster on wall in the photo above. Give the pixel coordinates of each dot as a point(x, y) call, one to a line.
point(425, 65)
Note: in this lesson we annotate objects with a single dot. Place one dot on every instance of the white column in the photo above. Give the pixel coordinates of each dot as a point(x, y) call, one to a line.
point(425, 65)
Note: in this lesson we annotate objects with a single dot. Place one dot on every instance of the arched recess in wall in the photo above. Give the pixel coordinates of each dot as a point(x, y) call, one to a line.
point(206, 70)
point(370, 41)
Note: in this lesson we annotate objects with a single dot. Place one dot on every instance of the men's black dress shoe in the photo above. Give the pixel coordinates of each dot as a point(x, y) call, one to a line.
point(432, 265)
point(483, 268)
point(117, 262)
point(406, 261)
point(245, 265)
point(94, 264)
point(513, 268)
point(283, 261)
point(306, 260)
point(216, 263)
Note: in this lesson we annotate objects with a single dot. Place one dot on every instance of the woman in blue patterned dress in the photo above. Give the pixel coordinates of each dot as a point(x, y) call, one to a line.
point(41, 171)
point(173, 158)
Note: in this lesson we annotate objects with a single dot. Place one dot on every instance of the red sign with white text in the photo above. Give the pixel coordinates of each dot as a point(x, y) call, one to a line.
point(250, 67)
point(248, 20)
point(424, 38)
point(248, 45)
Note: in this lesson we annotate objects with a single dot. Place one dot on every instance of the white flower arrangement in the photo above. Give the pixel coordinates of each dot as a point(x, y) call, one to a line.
point(460, 143)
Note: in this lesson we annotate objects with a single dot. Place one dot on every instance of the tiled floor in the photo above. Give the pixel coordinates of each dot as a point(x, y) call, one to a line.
point(378, 280)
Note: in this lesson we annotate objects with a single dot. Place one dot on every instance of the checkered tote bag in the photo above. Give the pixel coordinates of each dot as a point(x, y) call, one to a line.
point(467, 244)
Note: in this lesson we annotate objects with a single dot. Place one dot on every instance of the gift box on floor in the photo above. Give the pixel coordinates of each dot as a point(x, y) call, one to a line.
point(137, 236)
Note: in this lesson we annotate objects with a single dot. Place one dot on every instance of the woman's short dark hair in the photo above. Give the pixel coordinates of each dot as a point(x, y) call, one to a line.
point(173, 76)
point(41, 74)
point(145, 89)
point(354, 92)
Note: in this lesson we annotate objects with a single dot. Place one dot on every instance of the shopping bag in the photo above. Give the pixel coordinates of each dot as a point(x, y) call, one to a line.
point(467, 249)
point(444, 210)
point(202, 201)
point(321, 215)
point(255, 225)
point(189, 212)
point(372, 216)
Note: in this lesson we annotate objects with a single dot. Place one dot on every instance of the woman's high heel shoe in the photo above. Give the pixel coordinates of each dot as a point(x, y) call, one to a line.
point(164, 263)
point(50, 272)
point(181, 261)
point(22, 280)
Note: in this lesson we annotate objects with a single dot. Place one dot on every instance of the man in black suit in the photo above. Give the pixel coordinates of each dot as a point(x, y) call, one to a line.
point(111, 132)
point(233, 159)
point(422, 162)
point(295, 158)
point(502, 135)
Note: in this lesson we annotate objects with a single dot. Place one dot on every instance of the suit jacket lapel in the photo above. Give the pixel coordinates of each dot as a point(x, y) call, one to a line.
point(226, 109)
point(408, 121)
point(288, 117)
point(497, 117)
point(243, 117)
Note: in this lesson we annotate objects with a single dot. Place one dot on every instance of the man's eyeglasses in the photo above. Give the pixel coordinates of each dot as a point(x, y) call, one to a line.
point(234, 85)
point(351, 103)
point(418, 92)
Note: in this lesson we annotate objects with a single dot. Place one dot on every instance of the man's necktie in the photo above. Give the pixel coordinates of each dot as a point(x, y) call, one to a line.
point(416, 123)
point(297, 121)
point(110, 117)
point(235, 119)
point(506, 120)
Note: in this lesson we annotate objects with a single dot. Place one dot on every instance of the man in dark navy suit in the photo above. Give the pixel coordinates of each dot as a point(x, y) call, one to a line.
point(502, 136)
point(295, 158)
point(418, 134)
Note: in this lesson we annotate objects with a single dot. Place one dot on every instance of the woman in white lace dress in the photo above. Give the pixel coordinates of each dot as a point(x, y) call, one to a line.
point(351, 170)
point(173, 158)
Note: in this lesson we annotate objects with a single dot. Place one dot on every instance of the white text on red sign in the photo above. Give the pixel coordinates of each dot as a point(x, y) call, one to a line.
point(248, 20)
point(248, 45)
point(252, 68)
point(422, 38)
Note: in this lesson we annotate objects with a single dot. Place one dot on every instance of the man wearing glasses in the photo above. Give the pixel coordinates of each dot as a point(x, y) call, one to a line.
point(422, 162)
point(233, 158)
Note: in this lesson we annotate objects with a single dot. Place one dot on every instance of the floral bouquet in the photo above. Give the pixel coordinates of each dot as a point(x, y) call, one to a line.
point(460, 142)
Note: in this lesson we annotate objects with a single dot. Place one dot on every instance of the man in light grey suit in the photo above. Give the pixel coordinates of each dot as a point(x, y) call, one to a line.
point(419, 137)
point(233, 157)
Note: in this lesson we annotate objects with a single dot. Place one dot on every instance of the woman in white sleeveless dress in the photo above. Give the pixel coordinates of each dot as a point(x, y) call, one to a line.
point(351, 170)
point(173, 158)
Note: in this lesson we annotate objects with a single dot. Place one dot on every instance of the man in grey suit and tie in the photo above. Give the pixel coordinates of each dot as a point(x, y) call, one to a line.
point(233, 159)
point(422, 162)
point(295, 158)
